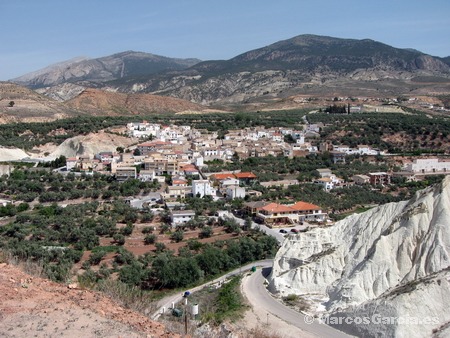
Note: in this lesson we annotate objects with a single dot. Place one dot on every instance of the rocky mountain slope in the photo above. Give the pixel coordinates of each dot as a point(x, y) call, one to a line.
point(391, 261)
point(102, 69)
point(303, 64)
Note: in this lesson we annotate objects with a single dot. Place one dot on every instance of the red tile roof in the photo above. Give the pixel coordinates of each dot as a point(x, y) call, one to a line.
point(301, 206)
point(178, 181)
point(245, 175)
point(275, 207)
point(223, 176)
point(188, 167)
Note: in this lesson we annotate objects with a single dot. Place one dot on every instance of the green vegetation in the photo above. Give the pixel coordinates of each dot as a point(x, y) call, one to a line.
point(296, 302)
point(419, 132)
point(46, 186)
point(303, 168)
point(200, 263)
point(229, 303)
point(57, 236)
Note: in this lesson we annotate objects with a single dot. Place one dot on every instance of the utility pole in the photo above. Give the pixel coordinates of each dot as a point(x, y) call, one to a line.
point(185, 322)
point(185, 317)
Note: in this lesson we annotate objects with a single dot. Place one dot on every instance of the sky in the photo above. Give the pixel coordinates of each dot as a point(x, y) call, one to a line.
point(36, 34)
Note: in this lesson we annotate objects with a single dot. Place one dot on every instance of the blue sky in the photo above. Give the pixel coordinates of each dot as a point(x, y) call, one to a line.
point(36, 34)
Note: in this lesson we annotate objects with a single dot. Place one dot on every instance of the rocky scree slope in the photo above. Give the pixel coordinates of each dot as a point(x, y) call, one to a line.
point(393, 261)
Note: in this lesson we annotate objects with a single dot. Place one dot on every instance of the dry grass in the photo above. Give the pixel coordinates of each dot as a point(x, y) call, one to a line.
point(262, 333)
point(130, 297)
point(296, 302)
point(28, 266)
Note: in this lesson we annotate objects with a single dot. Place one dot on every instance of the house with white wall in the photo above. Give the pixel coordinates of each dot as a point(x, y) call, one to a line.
point(179, 217)
point(202, 188)
point(428, 166)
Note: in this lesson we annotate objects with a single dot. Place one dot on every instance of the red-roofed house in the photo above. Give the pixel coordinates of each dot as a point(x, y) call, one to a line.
point(179, 182)
point(190, 170)
point(222, 176)
point(309, 212)
point(274, 214)
point(245, 175)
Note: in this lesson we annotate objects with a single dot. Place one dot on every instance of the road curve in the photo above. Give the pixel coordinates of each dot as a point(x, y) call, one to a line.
point(166, 302)
point(259, 297)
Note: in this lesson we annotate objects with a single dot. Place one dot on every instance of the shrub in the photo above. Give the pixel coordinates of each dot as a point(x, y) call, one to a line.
point(206, 232)
point(148, 230)
point(96, 257)
point(119, 239)
point(177, 236)
point(150, 239)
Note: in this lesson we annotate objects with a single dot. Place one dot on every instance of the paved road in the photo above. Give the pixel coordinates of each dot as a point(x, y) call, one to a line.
point(166, 302)
point(259, 297)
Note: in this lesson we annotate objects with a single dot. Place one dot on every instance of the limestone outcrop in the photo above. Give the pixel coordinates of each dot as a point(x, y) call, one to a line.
point(392, 261)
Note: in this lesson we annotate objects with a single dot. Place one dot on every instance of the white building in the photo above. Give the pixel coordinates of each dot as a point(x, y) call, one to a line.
point(144, 129)
point(326, 183)
point(147, 175)
point(179, 217)
point(202, 188)
point(428, 166)
point(71, 163)
point(235, 191)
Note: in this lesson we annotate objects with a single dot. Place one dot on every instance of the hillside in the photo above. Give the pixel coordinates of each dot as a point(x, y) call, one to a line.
point(308, 65)
point(47, 309)
point(91, 144)
point(102, 69)
point(100, 102)
point(29, 106)
point(391, 261)
point(301, 65)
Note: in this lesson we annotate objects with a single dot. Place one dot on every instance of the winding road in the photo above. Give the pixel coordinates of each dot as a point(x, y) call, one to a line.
point(258, 297)
point(166, 302)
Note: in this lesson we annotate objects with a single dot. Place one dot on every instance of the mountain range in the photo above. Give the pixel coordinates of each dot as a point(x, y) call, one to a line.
point(102, 69)
point(305, 64)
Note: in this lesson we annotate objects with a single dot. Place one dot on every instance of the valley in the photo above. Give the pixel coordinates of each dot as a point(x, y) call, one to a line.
point(322, 160)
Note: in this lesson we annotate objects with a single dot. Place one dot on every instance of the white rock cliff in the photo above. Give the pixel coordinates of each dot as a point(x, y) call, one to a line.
point(392, 261)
